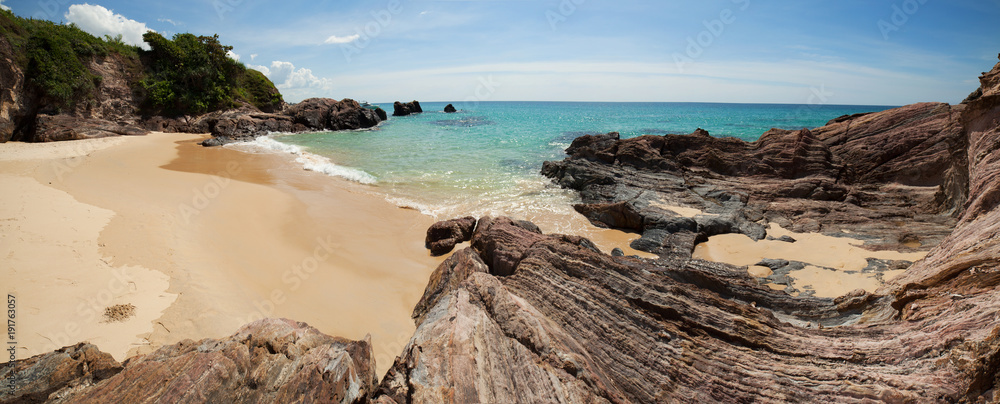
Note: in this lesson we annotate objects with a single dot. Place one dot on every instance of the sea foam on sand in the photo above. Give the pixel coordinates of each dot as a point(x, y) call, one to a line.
point(309, 161)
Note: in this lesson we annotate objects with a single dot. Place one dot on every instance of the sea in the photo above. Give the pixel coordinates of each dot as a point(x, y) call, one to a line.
point(485, 159)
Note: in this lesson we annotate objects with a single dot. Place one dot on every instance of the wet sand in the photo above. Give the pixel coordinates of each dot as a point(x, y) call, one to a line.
point(204, 240)
point(841, 259)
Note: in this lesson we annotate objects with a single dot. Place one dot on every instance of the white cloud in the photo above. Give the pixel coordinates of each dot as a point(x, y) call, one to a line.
point(3, 7)
point(295, 84)
point(333, 39)
point(233, 55)
point(253, 56)
point(99, 21)
point(171, 22)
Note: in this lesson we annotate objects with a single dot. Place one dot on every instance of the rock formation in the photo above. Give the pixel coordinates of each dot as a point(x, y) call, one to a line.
point(443, 236)
point(404, 109)
point(314, 114)
point(862, 174)
point(265, 361)
point(450, 109)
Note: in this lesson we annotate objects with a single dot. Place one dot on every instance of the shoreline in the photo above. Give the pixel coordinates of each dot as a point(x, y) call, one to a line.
point(174, 219)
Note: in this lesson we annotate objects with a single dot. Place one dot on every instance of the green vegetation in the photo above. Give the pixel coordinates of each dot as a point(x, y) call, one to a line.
point(187, 75)
point(193, 74)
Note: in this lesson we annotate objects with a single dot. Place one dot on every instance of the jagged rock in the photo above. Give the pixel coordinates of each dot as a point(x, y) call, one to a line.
point(314, 114)
point(443, 236)
point(404, 109)
point(266, 361)
point(450, 109)
point(37, 378)
point(838, 177)
point(565, 323)
point(15, 102)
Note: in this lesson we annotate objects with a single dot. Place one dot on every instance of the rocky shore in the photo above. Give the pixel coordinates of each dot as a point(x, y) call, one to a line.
point(521, 316)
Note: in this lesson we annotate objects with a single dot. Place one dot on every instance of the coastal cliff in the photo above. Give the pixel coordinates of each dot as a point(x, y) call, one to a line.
point(61, 83)
point(521, 316)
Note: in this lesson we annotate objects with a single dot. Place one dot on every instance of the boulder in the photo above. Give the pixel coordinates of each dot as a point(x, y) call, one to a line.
point(444, 235)
point(450, 108)
point(404, 109)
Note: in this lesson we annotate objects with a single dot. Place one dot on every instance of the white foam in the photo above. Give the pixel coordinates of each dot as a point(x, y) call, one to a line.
point(309, 161)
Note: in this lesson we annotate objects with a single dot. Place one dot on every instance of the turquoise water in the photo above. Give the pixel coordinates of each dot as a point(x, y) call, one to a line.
point(485, 158)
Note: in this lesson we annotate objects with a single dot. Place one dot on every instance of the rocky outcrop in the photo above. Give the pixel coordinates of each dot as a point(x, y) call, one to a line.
point(26, 115)
point(49, 128)
point(526, 317)
point(265, 361)
point(862, 174)
point(404, 109)
point(314, 114)
point(443, 236)
point(16, 103)
point(450, 109)
point(66, 369)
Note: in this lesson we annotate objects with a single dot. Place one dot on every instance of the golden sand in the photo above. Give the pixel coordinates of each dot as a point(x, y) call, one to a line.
point(842, 254)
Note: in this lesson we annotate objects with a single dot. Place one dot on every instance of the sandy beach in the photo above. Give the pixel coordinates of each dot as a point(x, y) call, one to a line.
point(203, 240)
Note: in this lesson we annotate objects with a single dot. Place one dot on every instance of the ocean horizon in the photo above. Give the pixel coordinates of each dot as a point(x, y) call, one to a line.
point(485, 158)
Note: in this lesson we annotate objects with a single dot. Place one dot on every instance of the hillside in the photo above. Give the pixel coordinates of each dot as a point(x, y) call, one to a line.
point(61, 83)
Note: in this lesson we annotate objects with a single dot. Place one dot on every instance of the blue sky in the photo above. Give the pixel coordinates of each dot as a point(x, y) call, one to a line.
point(832, 52)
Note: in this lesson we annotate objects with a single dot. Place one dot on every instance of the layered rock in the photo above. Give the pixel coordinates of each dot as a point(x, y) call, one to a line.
point(404, 109)
point(265, 361)
point(862, 174)
point(526, 317)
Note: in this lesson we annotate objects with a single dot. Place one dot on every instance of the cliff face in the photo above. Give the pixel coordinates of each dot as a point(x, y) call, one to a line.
point(521, 316)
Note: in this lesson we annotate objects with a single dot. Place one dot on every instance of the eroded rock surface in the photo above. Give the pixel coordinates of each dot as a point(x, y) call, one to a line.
point(526, 317)
point(868, 174)
point(266, 361)
point(444, 235)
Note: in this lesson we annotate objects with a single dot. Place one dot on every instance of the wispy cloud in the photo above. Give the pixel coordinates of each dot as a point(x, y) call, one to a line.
point(333, 39)
point(169, 21)
point(3, 7)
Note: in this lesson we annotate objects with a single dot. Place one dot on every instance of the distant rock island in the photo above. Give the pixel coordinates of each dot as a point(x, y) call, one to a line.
point(404, 109)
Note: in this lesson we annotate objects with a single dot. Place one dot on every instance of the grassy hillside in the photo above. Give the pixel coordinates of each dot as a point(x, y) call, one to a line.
point(185, 75)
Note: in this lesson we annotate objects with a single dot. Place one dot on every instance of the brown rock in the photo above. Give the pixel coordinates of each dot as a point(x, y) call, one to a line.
point(66, 369)
point(404, 109)
point(265, 361)
point(50, 128)
point(443, 236)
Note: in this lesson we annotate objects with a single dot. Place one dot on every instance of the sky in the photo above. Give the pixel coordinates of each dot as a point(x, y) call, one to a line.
point(856, 52)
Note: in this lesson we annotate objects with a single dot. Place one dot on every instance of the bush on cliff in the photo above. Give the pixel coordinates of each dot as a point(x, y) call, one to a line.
point(54, 57)
point(194, 74)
